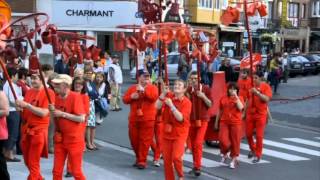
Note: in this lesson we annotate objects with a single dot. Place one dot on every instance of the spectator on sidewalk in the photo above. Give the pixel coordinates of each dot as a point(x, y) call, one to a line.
point(14, 116)
point(91, 122)
point(4, 111)
point(183, 67)
point(62, 66)
point(23, 73)
point(115, 79)
point(102, 89)
point(285, 67)
point(275, 72)
point(228, 71)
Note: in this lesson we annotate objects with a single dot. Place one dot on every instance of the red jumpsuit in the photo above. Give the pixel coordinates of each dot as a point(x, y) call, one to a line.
point(175, 134)
point(141, 125)
point(198, 129)
point(256, 118)
point(86, 105)
point(156, 145)
point(244, 91)
point(34, 132)
point(72, 143)
point(230, 126)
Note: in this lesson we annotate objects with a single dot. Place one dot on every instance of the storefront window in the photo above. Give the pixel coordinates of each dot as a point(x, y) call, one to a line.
point(205, 4)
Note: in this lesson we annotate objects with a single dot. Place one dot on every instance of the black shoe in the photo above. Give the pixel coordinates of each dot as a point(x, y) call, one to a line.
point(196, 172)
point(139, 166)
point(256, 160)
point(68, 175)
point(250, 155)
point(135, 165)
point(118, 109)
point(13, 160)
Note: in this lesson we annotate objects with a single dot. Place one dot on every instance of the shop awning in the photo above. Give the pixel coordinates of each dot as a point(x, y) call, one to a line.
point(231, 28)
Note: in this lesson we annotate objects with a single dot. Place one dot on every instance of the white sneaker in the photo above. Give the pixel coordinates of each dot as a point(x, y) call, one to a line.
point(223, 160)
point(233, 164)
point(156, 163)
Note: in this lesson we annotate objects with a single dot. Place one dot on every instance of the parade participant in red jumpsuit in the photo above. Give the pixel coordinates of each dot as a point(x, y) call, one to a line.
point(34, 130)
point(201, 102)
point(244, 84)
point(230, 117)
point(256, 115)
point(142, 98)
point(176, 119)
point(79, 86)
point(69, 132)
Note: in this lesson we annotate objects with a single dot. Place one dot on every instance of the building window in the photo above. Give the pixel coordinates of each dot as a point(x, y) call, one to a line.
point(293, 14)
point(303, 11)
point(280, 8)
point(315, 9)
point(205, 4)
point(217, 4)
point(224, 4)
point(270, 10)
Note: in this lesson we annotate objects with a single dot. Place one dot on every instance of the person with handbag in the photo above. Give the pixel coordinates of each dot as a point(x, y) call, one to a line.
point(229, 119)
point(141, 97)
point(201, 102)
point(256, 115)
point(4, 111)
point(102, 90)
point(70, 120)
point(176, 119)
point(35, 124)
point(14, 117)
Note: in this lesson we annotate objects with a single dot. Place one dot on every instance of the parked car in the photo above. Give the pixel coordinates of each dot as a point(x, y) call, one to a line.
point(315, 60)
point(172, 65)
point(300, 65)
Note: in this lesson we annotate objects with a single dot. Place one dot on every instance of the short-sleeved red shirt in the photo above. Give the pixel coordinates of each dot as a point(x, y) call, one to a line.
point(179, 129)
point(199, 108)
point(259, 107)
point(37, 98)
point(244, 87)
point(71, 131)
point(230, 114)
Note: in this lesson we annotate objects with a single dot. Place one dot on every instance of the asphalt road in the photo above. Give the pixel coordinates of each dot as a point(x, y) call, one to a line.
point(292, 146)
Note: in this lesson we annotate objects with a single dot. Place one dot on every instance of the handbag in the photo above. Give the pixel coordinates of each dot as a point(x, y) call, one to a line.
point(3, 128)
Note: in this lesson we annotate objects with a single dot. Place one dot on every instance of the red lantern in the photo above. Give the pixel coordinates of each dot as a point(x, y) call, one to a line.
point(262, 9)
point(251, 10)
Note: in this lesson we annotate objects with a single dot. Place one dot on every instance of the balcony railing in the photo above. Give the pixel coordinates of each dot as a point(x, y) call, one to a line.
point(291, 23)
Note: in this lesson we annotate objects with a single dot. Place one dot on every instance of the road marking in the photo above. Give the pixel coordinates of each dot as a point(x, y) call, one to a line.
point(317, 137)
point(241, 158)
point(280, 155)
point(303, 141)
point(150, 158)
point(205, 162)
point(291, 147)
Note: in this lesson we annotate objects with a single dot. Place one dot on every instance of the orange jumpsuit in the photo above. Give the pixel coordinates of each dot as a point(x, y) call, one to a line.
point(34, 132)
point(256, 118)
point(141, 125)
point(244, 91)
point(230, 126)
point(175, 134)
point(86, 105)
point(198, 128)
point(72, 142)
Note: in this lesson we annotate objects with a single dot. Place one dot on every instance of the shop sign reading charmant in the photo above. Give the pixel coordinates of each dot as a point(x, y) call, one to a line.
point(94, 14)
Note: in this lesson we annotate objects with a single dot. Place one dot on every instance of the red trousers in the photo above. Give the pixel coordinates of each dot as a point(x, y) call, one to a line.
point(196, 136)
point(32, 147)
point(74, 152)
point(173, 150)
point(141, 136)
point(229, 138)
point(156, 145)
point(258, 123)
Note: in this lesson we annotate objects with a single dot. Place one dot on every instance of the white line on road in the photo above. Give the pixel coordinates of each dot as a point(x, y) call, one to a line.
point(291, 147)
point(317, 137)
point(280, 155)
point(241, 158)
point(303, 141)
point(205, 162)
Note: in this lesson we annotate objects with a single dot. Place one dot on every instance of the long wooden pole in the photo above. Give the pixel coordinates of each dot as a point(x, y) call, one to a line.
point(249, 43)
